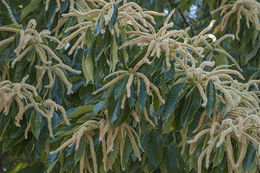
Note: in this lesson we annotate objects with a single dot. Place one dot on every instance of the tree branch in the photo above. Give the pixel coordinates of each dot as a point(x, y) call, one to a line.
point(175, 5)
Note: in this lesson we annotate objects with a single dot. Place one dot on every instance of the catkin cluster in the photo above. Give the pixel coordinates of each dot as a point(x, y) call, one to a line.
point(103, 14)
point(50, 63)
point(250, 9)
point(23, 94)
point(107, 136)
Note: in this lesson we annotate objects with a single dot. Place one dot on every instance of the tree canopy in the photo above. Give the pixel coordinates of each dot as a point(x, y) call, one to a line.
point(130, 86)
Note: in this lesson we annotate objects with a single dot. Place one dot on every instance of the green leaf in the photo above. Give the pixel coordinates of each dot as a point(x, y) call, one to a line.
point(253, 53)
point(51, 161)
point(114, 49)
point(98, 26)
point(29, 8)
point(99, 106)
point(113, 155)
point(142, 95)
point(219, 154)
point(50, 13)
point(81, 110)
point(123, 114)
point(113, 17)
point(155, 149)
point(250, 157)
point(170, 160)
point(120, 88)
point(36, 123)
point(211, 94)
point(88, 68)
point(116, 111)
point(172, 98)
point(124, 39)
point(126, 153)
point(79, 153)
point(167, 124)
point(193, 104)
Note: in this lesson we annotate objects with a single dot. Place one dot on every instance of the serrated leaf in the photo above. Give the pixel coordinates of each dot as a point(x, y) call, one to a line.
point(193, 104)
point(36, 123)
point(219, 154)
point(114, 49)
point(116, 111)
point(81, 110)
point(114, 16)
point(50, 13)
point(171, 160)
point(88, 68)
point(250, 157)
point(142, 96)
point(155, 149)
point(120, 88)
point(79, 153)
point(171, 99)
point(99, 106)
point(211, 95)
point(98, 26)
point(29, 8)
point(51, 161)
point(126, 153)
point(123, 114)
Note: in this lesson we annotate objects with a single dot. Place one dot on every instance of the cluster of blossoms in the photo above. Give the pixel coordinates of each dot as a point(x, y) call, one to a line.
point(23, 94)
point(31, 40)
point(250, 9)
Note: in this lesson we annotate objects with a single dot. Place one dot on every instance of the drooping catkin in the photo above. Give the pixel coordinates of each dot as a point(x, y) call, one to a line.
point(121, 143)
point(200, 124)
point(146, 81)
point(223, 136)
point(201, 133)
point(27, 130)
point(202, 93)
point(242, 153)
point(129, 83)
point(146, 116)
point(104, 151)
point(136, 117)
point(123, 101)
point(9, 11)
point(133, 143)
point(93, 153)
point(200, 159)
point(89, 169)
point(209, 150)
point(110, 83)
point(81, 164)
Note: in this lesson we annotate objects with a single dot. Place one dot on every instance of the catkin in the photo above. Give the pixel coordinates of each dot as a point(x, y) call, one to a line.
point(104, 150)
point(110, 83)
point(129, 83)
point(81, 164)
point(132, 140)
point(146, 116)
point(9, 11)
point(123, 101)
point(93, 153)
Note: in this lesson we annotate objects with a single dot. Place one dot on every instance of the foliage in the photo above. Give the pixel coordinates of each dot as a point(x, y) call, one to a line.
point(113, 85)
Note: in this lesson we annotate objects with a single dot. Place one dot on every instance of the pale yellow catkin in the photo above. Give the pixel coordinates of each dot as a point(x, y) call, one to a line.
point(129, 83)
point(146, 116)
point(110, 83)
point(93, 153)
point(133, 143)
